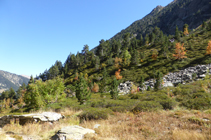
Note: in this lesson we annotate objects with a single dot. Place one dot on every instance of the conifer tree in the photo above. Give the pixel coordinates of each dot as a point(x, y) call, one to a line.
point(142, 81)
point(126, 58)
point(142, 56)
point(126, 41)
point(146, 39)
point(177, 34)
point(114, 91)
point(204, 25)
point(158, 83)
point(141, 41)
point(85, 52)
point(97, 63)
point(135, 57)
point(82, 90)
point(110, 60)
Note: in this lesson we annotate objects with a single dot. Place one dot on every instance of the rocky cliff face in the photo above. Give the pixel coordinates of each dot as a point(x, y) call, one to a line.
point(8, 80)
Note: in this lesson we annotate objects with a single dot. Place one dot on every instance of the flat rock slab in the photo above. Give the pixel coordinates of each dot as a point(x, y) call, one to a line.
point(74, 132)
point(36, 117)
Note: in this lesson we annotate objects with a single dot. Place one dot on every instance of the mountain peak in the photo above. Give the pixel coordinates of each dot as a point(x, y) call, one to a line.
point(156, 10)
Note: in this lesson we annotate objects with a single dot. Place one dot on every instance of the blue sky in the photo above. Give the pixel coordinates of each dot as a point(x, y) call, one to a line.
point(36, 33)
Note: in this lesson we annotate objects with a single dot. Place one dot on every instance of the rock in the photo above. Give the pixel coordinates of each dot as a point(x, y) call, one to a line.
point(74, 132)
point(96, 126)
point(38, 117)
point(168, 84)
point(124, 88)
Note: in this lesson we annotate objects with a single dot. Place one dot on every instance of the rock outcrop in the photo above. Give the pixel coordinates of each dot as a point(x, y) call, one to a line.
point(23, 119)
point(74, 132)
point(183, 76)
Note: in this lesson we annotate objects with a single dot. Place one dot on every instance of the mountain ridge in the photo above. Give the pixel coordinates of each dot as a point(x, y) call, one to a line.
point(191, 12)
point(8, 80)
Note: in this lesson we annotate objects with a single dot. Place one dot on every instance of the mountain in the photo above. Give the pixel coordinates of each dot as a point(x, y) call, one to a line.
point(8, 80)
point(177, 13)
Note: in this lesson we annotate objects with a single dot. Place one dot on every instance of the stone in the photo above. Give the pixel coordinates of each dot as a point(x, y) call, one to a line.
point(96, 126)
point(74, 132)
point(36, 117)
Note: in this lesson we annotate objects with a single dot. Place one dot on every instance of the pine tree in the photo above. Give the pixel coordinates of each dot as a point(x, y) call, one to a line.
point(97, 63)
point(85, 52)
point(141, 41)
point(146, 40)
point(158, 83)
point(110, 60)
point(135, 57)
point(177, 34)
point(114, 91)
point(142, 81)
point(82, 91)
point(126, 41)
point(126, 58)
point(142, 56)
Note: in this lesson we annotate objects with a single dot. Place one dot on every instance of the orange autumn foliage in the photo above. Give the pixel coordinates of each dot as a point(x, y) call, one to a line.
point(117, 75)
point(180, 51)
point(95, 88)
point(208, 50)
point(117, 62)
point(154, 54)
point(186, 31)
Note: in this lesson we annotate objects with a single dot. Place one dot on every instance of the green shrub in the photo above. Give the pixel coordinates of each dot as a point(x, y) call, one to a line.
point(95, 114)
point(147, 106)
point(99, 103)
point(119, 108)
point(199, 101)
point(160, 97)
point(123, 97)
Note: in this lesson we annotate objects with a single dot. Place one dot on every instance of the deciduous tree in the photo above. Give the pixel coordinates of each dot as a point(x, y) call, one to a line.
point(117, 75)
point(180, 51)
point(208, 50)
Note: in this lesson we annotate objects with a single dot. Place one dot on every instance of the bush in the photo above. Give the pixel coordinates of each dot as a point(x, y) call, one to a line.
point(95, 114)
point(119, 108)
point(147, 106)
point(160, 97)
point(199, 101)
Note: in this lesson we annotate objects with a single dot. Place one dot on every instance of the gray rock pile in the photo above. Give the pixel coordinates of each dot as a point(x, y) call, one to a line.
point(124, 88)
point(38, 117)
point(183, 76)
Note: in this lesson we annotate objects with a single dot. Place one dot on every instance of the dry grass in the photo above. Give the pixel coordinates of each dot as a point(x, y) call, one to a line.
point(152, 126)
point(178, 124)
point(43, 130)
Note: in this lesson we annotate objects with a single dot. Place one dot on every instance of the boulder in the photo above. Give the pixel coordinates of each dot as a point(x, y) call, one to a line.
point(28, 118)
point(74, 132)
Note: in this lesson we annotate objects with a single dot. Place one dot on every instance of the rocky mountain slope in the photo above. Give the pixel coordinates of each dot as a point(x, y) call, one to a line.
point(177, 13)
point(8, 80)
